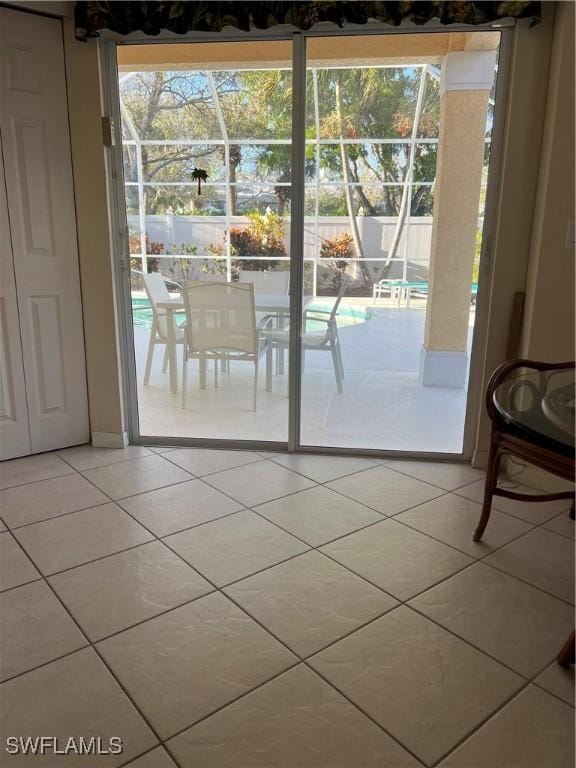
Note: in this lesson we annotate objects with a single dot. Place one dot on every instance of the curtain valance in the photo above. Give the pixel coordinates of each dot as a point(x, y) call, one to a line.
point(151, 18)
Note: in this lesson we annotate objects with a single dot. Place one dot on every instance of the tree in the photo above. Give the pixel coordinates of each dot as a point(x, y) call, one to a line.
point(164, 106)
point(199, 175)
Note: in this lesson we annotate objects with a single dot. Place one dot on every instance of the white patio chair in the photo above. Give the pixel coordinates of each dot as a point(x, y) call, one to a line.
point(326, 340)
point(386, 285)
point(221, 325)
point(156, 289)
point(274, 281)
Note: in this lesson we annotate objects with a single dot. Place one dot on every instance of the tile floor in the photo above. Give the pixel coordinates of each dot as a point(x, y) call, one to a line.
point(224, 608)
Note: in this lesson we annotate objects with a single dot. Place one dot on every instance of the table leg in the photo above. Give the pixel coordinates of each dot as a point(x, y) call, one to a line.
point(280, 349)
point(171, 348)
point(493, 468)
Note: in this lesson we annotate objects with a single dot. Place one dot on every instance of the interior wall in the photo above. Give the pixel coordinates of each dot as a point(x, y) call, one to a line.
point(548, 323)
point(507, 255)
point(509, 248)
point(65, 8)
point(94, 245)
point(548, 328)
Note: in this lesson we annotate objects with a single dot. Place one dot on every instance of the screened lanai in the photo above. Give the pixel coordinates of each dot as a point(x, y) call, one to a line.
point(376, 124)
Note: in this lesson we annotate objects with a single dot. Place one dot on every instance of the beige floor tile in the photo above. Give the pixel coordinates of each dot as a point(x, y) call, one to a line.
point(559, 681)
point(216, 653)
point(534, 730)
point(136, 476)
point(448, 476)
point(533, 512)
point(453, 519)
point(541, 558)
point(161, 448)
point(157, 758)
point(256, 483)
point(127, 588)
point(201, 462)
point(318, 515)
point(87, 457)
point(397, 558)
point(172, 509)
point(295, 721)
point(48, 498)
point(2, 526)
point(65, 542)
point(75, 696)
point(15, 567)
point(562, 524)
point(235, 547)
point(34, 629)
point(30, 469)
point(310, 601)
point(384, 490)
point(512, 621)
point(423, 685)
point(323, 468)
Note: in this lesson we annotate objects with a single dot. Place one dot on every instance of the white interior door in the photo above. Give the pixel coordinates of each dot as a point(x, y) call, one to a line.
point(14, 429)
point(36, 145)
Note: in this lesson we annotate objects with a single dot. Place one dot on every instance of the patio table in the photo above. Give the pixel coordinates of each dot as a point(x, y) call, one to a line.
point(269, 303)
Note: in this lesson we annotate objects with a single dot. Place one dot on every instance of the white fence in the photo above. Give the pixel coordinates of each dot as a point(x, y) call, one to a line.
point(376, 234)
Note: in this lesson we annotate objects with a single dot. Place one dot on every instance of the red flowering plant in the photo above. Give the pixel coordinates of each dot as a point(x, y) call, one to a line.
point(339, 249)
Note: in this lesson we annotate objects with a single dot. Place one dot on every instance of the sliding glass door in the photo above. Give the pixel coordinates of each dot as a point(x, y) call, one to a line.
point(225, 109)
point(391, 135)
point(397, 147)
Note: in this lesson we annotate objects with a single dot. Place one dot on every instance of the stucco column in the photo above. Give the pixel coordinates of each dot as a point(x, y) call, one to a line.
point(464, 89)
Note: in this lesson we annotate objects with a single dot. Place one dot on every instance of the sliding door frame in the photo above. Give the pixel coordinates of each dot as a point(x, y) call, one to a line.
point(119, 236)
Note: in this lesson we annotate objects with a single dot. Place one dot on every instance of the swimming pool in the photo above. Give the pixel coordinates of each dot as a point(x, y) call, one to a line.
point(348, 314)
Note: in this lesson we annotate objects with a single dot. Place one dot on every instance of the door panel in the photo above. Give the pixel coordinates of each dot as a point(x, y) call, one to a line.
point(14, 433)
point(394, 212)
point(235, 231)
point(42, 215)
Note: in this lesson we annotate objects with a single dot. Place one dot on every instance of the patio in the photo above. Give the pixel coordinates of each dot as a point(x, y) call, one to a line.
point(383, 406)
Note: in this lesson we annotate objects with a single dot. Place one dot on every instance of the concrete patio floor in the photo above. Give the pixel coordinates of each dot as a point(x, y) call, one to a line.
point(383, 406)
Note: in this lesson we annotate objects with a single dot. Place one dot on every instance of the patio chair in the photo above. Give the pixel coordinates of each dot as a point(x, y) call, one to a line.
point(391, 286)
point(156, 289)
point(273, 281)
point(221, 325)
point(326, 340)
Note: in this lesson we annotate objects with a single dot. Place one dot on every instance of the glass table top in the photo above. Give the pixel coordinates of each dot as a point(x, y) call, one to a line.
point(540, 404)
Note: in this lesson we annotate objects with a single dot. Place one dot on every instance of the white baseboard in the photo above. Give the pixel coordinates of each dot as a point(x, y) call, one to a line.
point(109, 439)
point(479, 459)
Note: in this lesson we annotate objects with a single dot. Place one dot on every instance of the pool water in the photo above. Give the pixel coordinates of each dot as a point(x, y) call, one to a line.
point(348, 314)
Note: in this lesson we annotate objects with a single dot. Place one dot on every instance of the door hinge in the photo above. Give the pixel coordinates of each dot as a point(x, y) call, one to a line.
point(108, 131)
